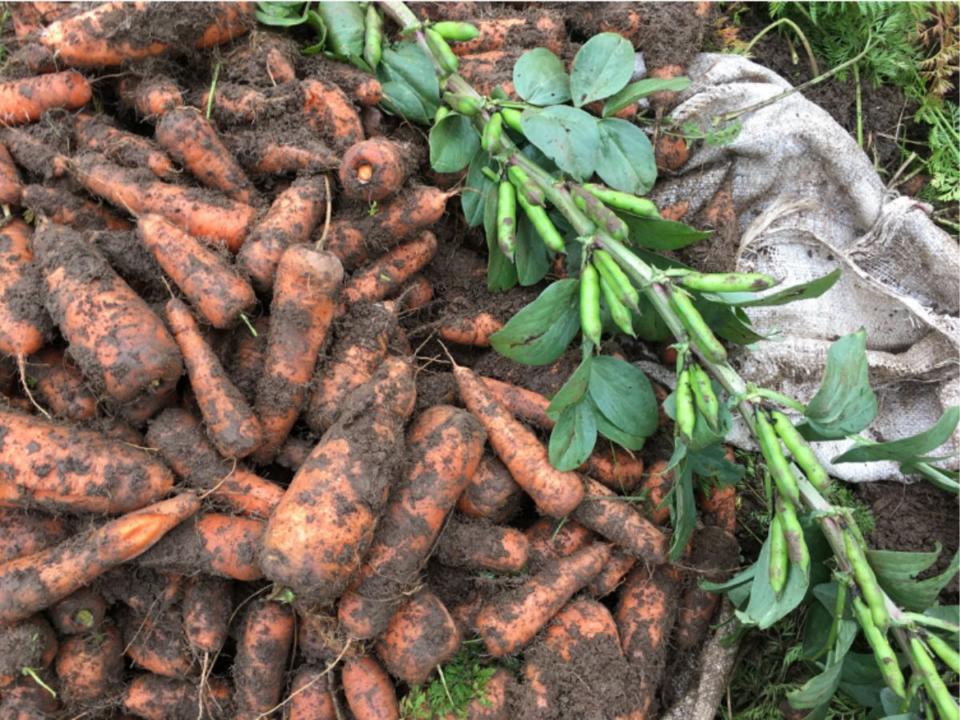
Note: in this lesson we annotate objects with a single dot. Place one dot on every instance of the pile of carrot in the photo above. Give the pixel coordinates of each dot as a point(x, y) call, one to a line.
point(224, 492)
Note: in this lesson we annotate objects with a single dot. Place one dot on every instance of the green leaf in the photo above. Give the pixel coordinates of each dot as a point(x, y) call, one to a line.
point(640, 89)
point(625, 161)
point(710, 463)
point(658, 234)
point(540, 332)
point(765, 607)
point(568, 136)
point(405, 66)
point(727, 322)
point(907, 448)
point(501, 273)
point(399, 98)
point(861, 679)
point(601, 68)
point(624, 395)
point(615, 434)
point(739, 580)
point(818, 689)
point(805, 291)
point(472, 197)
point(683, 511)
point(540, 78)
point(453, 142)
point(278, 15)
point(845, 403)
point(531, 255)
point(573, 437)
point(573, 389)
point(897, 572)
point(344, 22)
point(648, 325)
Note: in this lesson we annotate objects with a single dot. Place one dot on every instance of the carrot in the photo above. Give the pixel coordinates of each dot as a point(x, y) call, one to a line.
point(444, 446)
point(30, 643)
point(480, 546)
point(294, 453)
point(221, 545)
point(144, 591)
point(420, 636)
point(330, 114)
point(61, 385)
point(33, 582)
point(510, 620)
point(192, 209)
point(369, 691)
point(386, 275)
point(235, 104)
point(182, 444)
point(579, 621)
point(321, 638)
point(11, 186)
point(191, 140)
point(358, 85)
point(24, 325)
point(616, 520)
point(210, 284)
point(492, 493)
point(295, 152)
point(154, 697)
point(612, 574)
point(261, 657)
point(79, 612)
point(120, 146)
point(60, 467)
point(290, 221)
point(657, 486)
point(310, 697)
point(155, 643)
point(150, 97)
point(207, 604)
point(26, 533)
point(376, 168)
point(549, 540)
point(230, 21)
point(527, 405)
point(464, 613)
point(488, 70)
point(304, 298)
point(555, 493)
point(492, 704)
point(231, 424)
point(645, 615)
point(90, 667)
point(715, 554)
point(26, 700)
point(473, 330)
point(671, 153)
point(27, 20)
point(264, 59)
point(543, 28)
point(721, 505)
point(64, 208)
point(417, 293)
point(617, 469)
point(352, 239)
point(245, 359)
point(35, 154)
point(324, 524)
point(355, 356)
point(24, 101)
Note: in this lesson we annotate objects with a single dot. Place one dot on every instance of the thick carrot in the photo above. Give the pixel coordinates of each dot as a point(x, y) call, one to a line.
point(207, 604)
point(144, 591)
point(297, 152)
point(24, 101)
point(480, 546)
point(354, 239)
point(65, 208)
point(543, 28)
point(90, 667)
point(358, 85)
point(474, 330)
point(579, 621)
point(33, 582)
point(376, 168)
point(35, 154)
point(196, 211)
point(330, 114)
point(290, 221)
point(492, 704)
point(492, 493)
point(355, 357)
point(79, 612)
point(230, 423)
point(715, 554)
point(230, 21)
point(322, 528)
point(183, 445)
point(444, 447)
point(261, 657)
point(304, 298)
point(221, 545)
point(645, 615)
point(26, 700)
point(510, 620)
point(615, 519)
point(60, 467)
point(26, 533)
point(369, 691)
point(61, 386)
point(613, 573)
point(417, 293)
point(98, 134)
point(310, 697)
point(617, 469)
point(11, 186)
point(27, 20)
point(671, 153)
point(154, 697)
point(155, 643)
point(386, 275)
point(150, 97)
point(555, 493)
point(549, 540)
point(421, 635)
point(24, 324)
point(204, 277)
point(657, 486)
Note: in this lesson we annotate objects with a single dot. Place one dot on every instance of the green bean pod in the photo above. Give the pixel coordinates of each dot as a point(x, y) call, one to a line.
point(704, 396)
point(777, 462)
point(603, 216)
point(946, 652)
point(793, 532)
point(701, 334)
point(779, 560)
point(373, 37)
point(882, 651)
point(866, 580)
point(507, 218)
point(614, 275)
point(590, 324)
point(442, 53)
point(618, 311)
point(632, 204)
point(490, 140)
point(456, 31)
point(936, 689)
point(542, 224)
point(514, 119)
point(801, 451)
point(462, 103)
point(727, 282)
point(686, 412)
point(525, 186)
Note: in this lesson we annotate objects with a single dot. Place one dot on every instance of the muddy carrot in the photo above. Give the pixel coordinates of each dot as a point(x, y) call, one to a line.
point(543, 28)
point(90, 667)
point(304, 298)
point(24, 324)
point(480, 546)
point(290, 221)
point(492, 493)
point(482, 69)
point(715, 553)
point(294, 452)
point(509, 621)
point(721, 503)
point(618, 470)
point(35, 155)
point(24, 101)
point(613, 573)
point(79, 612)
point(358, 85)
point(64, 208)
point(420, 636)
point(309, 696)
point(443, 449)
point(549, 540)
point(61, 386)
point(122, 147)
point(376, 168)
point(616, 520)
point(330, 114)
point(150, 97)
point(30, 643)
point(262, 155)
point(11, 186)
point(473, 330)
point(25, 699)
point(33, 582)
point(235, 104)
point(26, 19)
point(355, 356)
point(645, 615)
point(207, 604)
point(261, 657)
point(155, 643)
point(387, 275)
point(416, 294)
point(657, 485)
point(527, 405)
point(556, 493)
point(245, 360)
point(154, 697)
point(370, 693)
point(26, 533)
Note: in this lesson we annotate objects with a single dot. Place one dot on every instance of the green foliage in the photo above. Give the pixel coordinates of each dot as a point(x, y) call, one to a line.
point(601, 68)
point(453, 143)
point(540, 78)
point(463, 679)
point(410, 86)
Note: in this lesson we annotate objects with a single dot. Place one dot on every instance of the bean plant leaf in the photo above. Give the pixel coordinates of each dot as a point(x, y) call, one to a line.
point(640, 89)
point(573, 389)
point(845, 403)
point(659, 234)
point(683, 510)
point(625, 160)
point(907, 448)
point(804, 291)
point(540, 78)
point(624, 395)
point(501, 273)
point(897, 572)
point(573, 437)
point(614, 433)
point(818, 689)
point(568, 136)
point(281, 14)
point(410, 87)
point(344, 22)
point(474, 192)
point(601, 68)
point(540, 332)
point(453, 142)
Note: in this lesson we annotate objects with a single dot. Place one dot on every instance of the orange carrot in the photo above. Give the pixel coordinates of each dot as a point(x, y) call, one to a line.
point(555, 493)
point(79, 612)
point(612, 574)
point(721, 504)
point(245, 360)
point(376, 168)
point(304, 298)
point(120, 146)
point(261, 657)
point(549, 540)
point(671, 152)
point(26, 700)
point(715, 554)
point(144, 592)
point(488, 70)
point(543, 28)
point(480, 546)
point(473, 330)
point(61, 385)
point(33, 582)
point(150, 98)
point(617, 469)
point(358, 85)
point(64, 208)
point(657, 486)
point(27, 20)
point(26, 533)
point(580, 620)
point(443, 448)
point(156, 644)
point(370, 692)
point(645, 615)
point(387, 275)
point(510, 620)
point(417, 293)
point(527, 405)
point(90, 667)
point(330, 114)
point(421, 635)
point(294, 153)
point(35, 154)
point(310, 697)
point(24, 325)
point(207, 604)
point(24, 101)
point(616, 520)
point(11, 186)
point(492, 493)
point(324, 524)
point(154, 697)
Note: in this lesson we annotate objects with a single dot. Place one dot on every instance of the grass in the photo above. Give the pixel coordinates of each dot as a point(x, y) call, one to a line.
point(458, 682)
